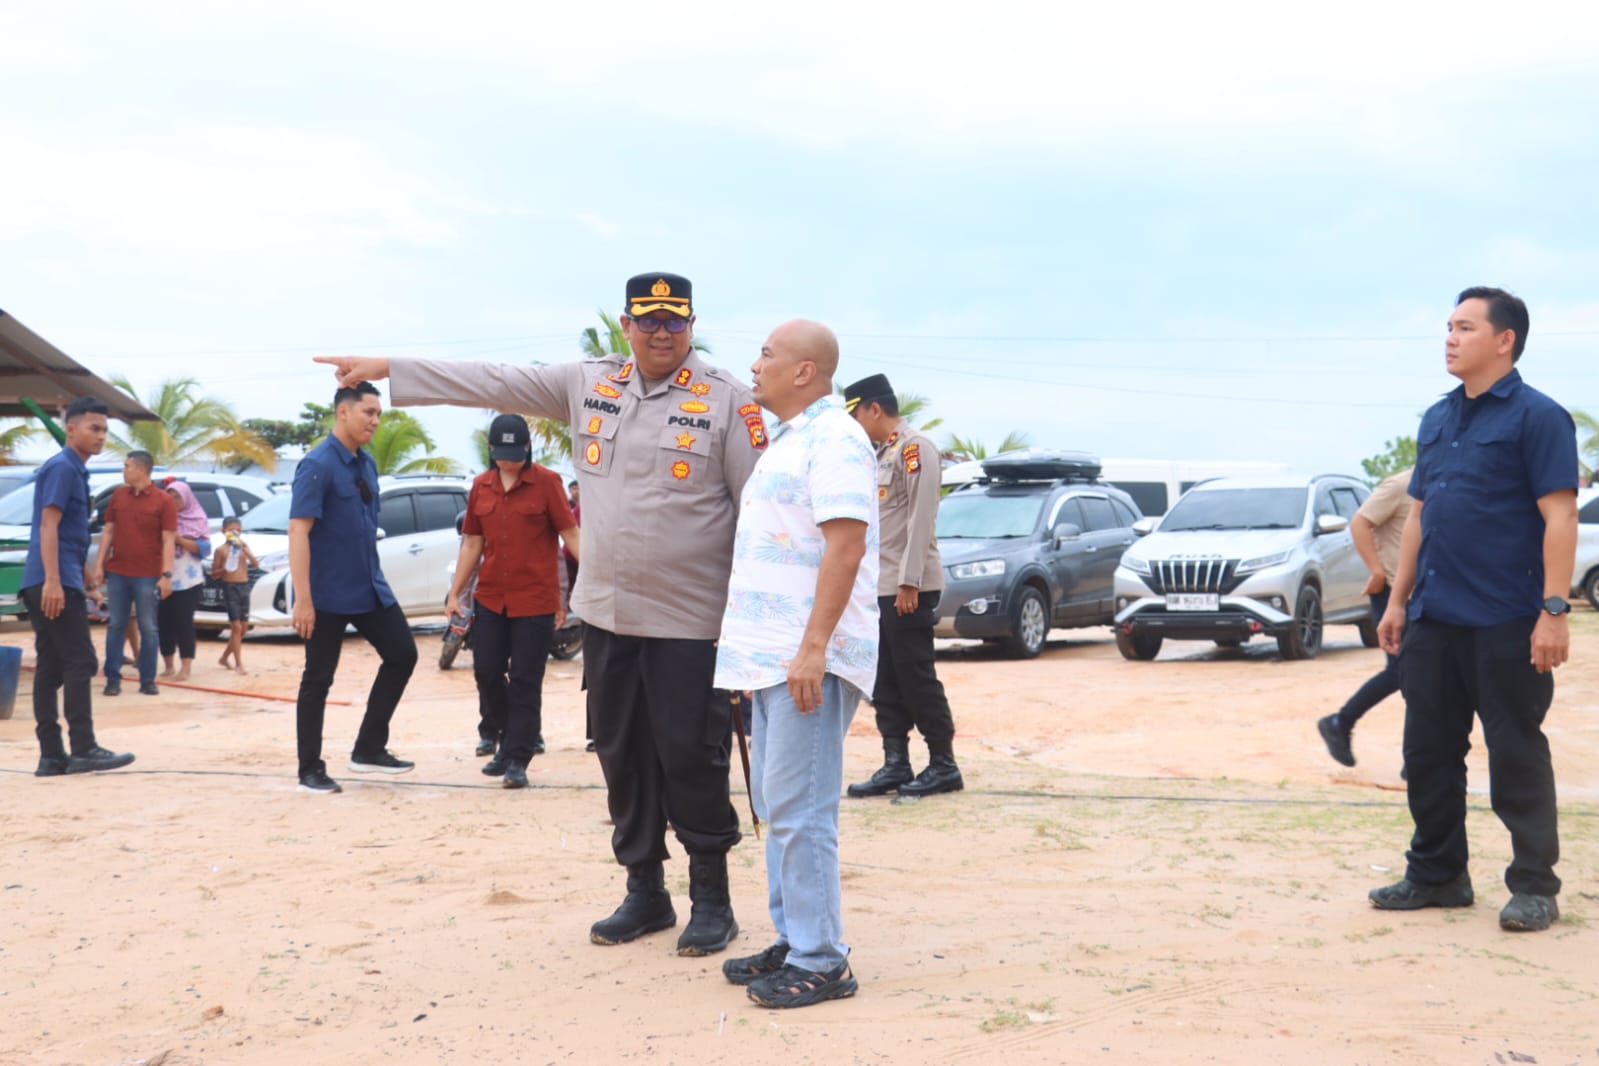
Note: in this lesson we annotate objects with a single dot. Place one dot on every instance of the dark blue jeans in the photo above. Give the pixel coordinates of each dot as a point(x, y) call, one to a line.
point(125, 594)
point(1379, 686)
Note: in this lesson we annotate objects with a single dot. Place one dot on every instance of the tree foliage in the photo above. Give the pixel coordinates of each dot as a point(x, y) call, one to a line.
point(398, 439)
point(1397, 454)
point(959, 449)
point(193, 428)
point(1587, 442)
point(12, 438)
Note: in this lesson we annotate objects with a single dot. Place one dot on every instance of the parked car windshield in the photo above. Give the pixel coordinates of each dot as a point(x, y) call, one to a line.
point(980, 515)
point(271, 515)
point(16, 509)
point(1238, 509)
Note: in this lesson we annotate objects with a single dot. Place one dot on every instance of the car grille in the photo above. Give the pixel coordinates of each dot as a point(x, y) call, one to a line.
point(1192, 575)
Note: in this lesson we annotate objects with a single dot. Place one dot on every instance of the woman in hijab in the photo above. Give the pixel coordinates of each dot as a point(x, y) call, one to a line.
point(175, 620)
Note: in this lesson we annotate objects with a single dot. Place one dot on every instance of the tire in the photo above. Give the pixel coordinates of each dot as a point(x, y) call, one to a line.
point(567, 642)
point(452, 648)
point(1368, 633)
point(1590, 589)
point(1303, 639)
point(1029, 625)
point(1139, 647)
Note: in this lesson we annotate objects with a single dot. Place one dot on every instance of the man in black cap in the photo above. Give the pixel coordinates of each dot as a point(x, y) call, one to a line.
point(910, 579)
point(662, 445)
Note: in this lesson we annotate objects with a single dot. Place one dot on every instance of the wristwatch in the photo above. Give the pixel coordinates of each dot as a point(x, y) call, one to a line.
point(1555, 605)
point(168, 573)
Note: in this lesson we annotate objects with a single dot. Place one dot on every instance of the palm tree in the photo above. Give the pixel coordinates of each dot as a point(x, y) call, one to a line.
point(911, 405)
point(1587, 442)
point(398, 437)
point(193, 428)
point(12, 438)
point(552, 442)
point(959, 450)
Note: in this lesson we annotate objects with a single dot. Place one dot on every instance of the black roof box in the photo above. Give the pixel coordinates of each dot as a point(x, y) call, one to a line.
point(1034, 464)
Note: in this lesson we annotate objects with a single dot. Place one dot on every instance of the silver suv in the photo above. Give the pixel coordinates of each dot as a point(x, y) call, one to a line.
point(1239, 557)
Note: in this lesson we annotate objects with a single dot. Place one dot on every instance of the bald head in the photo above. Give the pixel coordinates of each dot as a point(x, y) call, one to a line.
point(796, 366)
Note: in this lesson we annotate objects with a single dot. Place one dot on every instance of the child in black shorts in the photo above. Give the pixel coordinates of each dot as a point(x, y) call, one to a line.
point(231, 565)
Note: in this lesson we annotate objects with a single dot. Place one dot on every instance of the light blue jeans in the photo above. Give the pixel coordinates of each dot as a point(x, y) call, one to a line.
point(124, 595)
point(797, 772)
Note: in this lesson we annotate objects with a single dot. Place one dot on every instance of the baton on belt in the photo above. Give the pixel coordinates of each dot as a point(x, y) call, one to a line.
point(744, 757)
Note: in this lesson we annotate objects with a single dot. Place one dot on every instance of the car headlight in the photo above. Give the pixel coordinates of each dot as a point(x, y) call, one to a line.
point(982, 568)
point(1262, 562)
point(1136, 565)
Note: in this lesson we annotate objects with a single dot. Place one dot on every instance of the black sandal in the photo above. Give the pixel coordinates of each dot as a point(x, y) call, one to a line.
point(753, 967)
point(793, 986)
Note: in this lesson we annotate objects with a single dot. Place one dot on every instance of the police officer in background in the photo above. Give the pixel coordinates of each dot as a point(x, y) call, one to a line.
point(909, 583)
point(662, 444)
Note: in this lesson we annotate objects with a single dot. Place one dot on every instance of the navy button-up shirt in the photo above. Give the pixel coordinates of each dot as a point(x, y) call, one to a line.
point(1481, 467)
point(62, 482)
point(345, 575)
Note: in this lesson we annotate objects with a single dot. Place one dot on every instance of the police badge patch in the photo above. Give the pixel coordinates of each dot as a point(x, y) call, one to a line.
point(913, 458)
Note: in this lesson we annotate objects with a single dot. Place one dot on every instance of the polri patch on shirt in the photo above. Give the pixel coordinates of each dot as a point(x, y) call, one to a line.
point(607, 390)
point(594, 424)
point(684, 376)
point(680, 470)
point(750, 409)
point(686, 440)
point(913, 458)
point(591, 453)
point(757, 428)
point(699, 388)
point(694, 407)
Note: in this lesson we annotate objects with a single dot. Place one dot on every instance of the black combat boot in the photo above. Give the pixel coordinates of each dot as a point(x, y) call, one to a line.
point(710, 922)
point(941, 775)
point(895, 771)
point(647, 908)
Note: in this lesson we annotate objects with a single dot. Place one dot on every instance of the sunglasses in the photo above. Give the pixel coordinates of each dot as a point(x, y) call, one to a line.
point(650, 325)
point(366, 493)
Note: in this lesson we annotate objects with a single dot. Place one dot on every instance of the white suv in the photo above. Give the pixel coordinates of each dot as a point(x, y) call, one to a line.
point(417, 543)
point(1240, 557)
point(1585, 578)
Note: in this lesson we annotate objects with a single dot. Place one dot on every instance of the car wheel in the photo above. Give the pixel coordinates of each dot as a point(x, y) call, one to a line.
point(452, 648)
point(1590, 589)
point(1139, 647)
point(1303, 639)
point(1368, 633)
point(567, 642)
point(1029, 624)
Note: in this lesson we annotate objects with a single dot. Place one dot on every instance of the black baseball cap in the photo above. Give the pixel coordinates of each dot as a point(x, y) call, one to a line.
point(509, 438)
point(868, 390)
point(659, 292)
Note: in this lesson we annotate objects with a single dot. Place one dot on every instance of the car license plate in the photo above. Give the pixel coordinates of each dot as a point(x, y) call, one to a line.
point(1192, 601)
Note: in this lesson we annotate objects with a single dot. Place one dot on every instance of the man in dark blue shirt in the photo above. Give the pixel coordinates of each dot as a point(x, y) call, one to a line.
point(1479, 603)
point(333, 564)
point(54, 583)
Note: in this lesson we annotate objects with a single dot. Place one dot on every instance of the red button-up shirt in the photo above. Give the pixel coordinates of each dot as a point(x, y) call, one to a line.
point(138, 519)
point(521, 543)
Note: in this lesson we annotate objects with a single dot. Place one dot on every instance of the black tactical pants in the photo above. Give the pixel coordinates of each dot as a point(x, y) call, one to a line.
point(908, 692)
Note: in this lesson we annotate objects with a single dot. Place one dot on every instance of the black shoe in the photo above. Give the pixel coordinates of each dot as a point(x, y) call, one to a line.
point(515, 776)
point(646, 909)
point(895, 771)
point(589, 746)
point(485, 747)
point(113, 687)
point(941, 775)
point(97, 759)
point(51, 766)
point(753, 967)
point(496, 766)
point(149, 688)
point(1407, 895)
point(795, 987)
point(711, 925)
point(1336, 739)
point(380, 763)
point(319, 781)
point(538, 744)
point(1529, 913)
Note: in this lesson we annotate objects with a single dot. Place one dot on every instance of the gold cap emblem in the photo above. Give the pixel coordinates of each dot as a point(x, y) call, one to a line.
point(660, 288)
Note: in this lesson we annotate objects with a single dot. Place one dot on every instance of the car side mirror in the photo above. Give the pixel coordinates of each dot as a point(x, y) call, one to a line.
point(1145, 526)
point(1331, 523)
point(1065, 531)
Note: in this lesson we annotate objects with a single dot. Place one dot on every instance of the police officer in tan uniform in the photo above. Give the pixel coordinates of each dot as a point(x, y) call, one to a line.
point(909, 583)
point(662, 445)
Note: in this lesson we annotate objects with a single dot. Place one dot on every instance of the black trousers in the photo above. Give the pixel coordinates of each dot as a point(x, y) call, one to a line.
point(908, 692)
point(388, 632)
point(1379, 686)
point(66, 662)
point(1446, 671)
point(508, 657)
point(175, 622)
point(661, 733)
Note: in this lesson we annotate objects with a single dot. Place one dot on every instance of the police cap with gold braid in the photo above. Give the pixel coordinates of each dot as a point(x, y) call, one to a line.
point(868, 390)
point(659, 292)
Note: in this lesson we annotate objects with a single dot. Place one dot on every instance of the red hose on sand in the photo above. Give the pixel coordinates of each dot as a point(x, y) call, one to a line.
point(228, 691)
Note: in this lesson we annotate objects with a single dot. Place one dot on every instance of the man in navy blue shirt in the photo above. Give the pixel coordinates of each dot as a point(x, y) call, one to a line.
point(55, 580)
point(1479, 604)
point(333, 564)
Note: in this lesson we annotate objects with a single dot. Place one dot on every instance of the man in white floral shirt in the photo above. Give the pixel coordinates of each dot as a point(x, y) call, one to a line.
point(800, 632)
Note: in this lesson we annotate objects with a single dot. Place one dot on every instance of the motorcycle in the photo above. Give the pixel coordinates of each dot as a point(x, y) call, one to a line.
point(565, 644)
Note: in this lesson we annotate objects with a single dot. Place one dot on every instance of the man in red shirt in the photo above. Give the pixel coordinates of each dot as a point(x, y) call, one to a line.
point(135, 566)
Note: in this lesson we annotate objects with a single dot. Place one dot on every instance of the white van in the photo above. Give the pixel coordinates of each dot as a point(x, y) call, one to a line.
point(1154, 484)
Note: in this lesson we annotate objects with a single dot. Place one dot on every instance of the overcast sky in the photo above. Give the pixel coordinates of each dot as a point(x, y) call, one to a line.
point(1222, 231)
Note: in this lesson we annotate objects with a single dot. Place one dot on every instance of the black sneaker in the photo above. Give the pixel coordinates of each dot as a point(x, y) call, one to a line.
point(1336, 739)
point(51, 766)
point(538, 744)
point(485, 747)
point(795, 987)
point(113, 687)
point(380, 763)
point(1408, 895)
point(589, 746)
point(753, 967)
point(149, 688)
point(319, 781)
point(1529, 913)
point(97, 759)
point(496, 766)
point(515, 776)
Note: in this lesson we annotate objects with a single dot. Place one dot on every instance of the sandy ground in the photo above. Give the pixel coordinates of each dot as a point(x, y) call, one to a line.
point(1152, 862)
